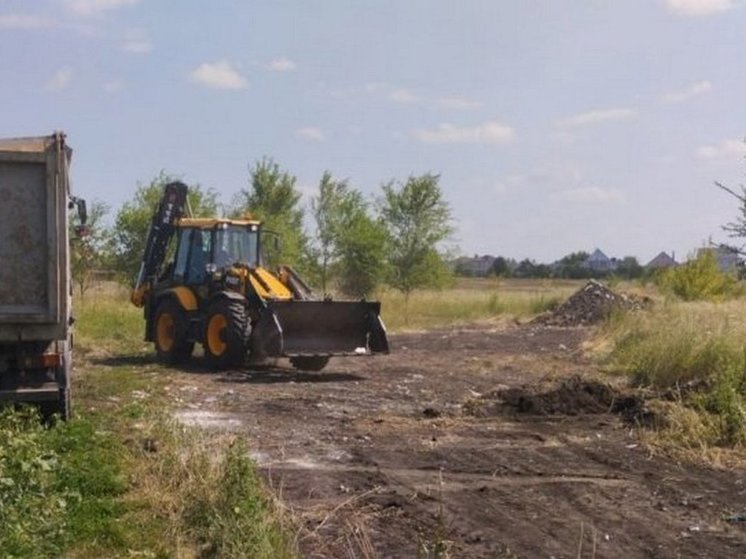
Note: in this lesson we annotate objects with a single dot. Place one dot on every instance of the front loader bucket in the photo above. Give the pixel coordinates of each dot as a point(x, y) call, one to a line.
point(290, 328)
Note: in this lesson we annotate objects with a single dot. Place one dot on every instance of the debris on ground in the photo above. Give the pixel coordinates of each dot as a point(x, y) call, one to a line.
point(591, 304)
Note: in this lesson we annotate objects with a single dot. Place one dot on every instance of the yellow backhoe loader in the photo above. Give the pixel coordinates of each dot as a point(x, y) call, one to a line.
point(216, 291)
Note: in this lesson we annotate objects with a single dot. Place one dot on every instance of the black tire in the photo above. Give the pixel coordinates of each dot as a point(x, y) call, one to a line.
point(171, 327)
point(309, 362)
point(226, 336)
point(55, 410)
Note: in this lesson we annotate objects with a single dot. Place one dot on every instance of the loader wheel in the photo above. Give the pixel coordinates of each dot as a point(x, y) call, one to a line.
point(309, 362)
point(171, 326)
point(226, 334)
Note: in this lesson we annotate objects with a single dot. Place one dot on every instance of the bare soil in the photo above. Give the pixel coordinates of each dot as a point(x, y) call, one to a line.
point(477, 442)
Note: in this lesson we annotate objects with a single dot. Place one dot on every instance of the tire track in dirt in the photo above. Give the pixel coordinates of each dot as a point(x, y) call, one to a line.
point(387, 457)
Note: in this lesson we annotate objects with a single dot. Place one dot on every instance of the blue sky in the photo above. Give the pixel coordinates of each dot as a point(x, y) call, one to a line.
point(555, 126)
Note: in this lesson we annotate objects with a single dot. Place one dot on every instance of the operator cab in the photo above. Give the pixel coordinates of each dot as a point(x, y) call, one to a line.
point(207, 246)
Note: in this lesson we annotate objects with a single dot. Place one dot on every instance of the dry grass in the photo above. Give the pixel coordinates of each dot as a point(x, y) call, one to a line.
point(473, 300)
point(695, 352)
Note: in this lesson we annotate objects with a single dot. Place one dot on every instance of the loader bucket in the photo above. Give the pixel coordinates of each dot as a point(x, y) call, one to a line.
point(292, 328)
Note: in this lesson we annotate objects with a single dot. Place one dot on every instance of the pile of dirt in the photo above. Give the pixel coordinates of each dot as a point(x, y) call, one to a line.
point(590, 304)
point(572, 396)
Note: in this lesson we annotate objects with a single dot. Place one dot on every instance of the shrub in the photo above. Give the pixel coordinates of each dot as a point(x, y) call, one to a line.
point(699, 279)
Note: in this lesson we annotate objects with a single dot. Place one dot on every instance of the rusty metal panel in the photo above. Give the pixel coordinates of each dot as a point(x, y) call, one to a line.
point(23, 230)
point(33, 239)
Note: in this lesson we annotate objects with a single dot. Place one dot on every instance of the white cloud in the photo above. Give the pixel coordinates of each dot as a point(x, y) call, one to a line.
point(136, 41)
point(597, 117)
point(457, 103)
point(311, 133)
point(25, 21)
point(281, 64)
point(593, 194)
point(694, 90)
point(699, 7)
point(403, 95)
point(727, 149)
point(92, 7)
point(218, 75)
point(490, 132)
point(61, 79)
point(113, 86)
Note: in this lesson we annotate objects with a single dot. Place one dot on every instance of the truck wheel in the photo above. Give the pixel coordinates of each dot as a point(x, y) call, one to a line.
point(63, 405)
point(309, 362)
point(226, 334)
point(171, 327)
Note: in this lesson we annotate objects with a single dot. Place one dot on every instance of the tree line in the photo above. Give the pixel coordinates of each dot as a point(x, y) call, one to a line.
point(571, 266)
point(355, 244)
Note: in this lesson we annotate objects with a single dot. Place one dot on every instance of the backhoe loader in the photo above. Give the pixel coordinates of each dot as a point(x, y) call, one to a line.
point(216, 291)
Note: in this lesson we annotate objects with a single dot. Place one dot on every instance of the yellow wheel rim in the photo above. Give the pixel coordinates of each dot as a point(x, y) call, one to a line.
point(215, 328)
point(165, 332)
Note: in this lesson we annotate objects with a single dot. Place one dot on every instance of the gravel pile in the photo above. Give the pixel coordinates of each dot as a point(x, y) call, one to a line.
point(591, 304)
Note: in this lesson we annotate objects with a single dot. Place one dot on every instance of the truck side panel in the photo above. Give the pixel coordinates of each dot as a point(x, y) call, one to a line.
point(33, 252)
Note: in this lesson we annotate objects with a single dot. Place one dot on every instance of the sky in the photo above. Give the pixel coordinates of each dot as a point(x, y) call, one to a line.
point(554, 126)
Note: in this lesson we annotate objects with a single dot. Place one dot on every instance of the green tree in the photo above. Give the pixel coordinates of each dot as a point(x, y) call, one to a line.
point(326, 209)
point(272, 197)
point(501, 267)
point(629, 268)
point(88, 252)
point(572, 266)
point(133, 220)
point(348, 244)
point(417, 219)
point(361, 249)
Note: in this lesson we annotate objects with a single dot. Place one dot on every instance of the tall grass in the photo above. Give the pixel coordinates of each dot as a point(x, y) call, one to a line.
point(470, 301)
point(697, 350)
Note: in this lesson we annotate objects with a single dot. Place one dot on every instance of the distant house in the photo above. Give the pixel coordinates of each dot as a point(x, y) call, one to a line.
point(476, 265)
point(661, 262)
point(599, 262)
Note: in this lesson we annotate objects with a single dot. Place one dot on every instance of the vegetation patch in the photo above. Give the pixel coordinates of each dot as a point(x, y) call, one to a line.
point(693, 356)
point(122, 479)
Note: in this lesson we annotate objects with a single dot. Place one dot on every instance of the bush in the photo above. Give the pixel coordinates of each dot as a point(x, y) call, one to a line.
point(695, 350)
point(699, 279)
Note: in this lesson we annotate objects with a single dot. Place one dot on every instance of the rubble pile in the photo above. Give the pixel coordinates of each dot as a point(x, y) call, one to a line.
point(591, 304)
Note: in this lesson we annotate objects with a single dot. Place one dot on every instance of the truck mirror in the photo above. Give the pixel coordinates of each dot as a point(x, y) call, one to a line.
point(81, 230)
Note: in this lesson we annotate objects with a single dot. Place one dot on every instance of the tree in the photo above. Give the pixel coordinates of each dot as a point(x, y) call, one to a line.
point(326, 209)
point(361, 247)
point(736, 229)
point(629, 268)
point(347, 242)
point(133, 220)
point(500, 267)
point(417, 219)
point(572, 266)
point(272, 197)
point(88, 252)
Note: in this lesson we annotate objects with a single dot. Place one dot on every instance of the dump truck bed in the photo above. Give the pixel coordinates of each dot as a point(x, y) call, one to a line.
point(34, 286)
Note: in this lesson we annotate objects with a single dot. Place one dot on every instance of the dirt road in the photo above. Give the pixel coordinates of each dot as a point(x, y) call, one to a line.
point(429, 453)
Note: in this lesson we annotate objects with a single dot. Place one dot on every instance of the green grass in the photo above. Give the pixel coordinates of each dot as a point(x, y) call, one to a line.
point(122, 479)
point(696, 350)
point(473, 300)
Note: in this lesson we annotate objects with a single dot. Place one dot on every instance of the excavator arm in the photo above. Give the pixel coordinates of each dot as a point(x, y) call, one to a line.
point(162, 228)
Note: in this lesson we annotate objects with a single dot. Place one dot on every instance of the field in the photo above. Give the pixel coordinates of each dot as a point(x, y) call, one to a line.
point(480, 435)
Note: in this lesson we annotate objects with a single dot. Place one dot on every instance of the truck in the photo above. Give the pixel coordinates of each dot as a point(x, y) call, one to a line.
point(35, 285)
point(205, 281)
